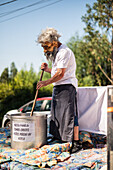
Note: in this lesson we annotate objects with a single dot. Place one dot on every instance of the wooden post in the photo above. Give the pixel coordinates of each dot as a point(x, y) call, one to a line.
point(110, 128)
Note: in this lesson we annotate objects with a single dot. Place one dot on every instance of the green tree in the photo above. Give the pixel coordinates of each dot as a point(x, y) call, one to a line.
point(13, 71)
point(98, 20)
point(25, 78)
point(78, 46)
point(5, 76)
point(91, 55)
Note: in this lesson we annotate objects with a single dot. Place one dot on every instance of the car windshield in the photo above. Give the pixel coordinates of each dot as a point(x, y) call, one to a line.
point(41, 105)
point(48, 105)
point(38, 105)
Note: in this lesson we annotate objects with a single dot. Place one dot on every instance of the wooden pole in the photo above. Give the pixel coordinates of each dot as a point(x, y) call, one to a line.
point(110, 128)
point(36, 94)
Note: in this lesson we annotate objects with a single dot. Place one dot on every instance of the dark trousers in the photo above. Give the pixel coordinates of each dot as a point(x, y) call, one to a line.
point(63, 110)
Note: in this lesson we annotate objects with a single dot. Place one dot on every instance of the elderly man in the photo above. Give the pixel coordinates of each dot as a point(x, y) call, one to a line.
point(64, 121)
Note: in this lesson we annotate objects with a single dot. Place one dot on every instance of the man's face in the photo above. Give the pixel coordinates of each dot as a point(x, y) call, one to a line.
point(50, 50)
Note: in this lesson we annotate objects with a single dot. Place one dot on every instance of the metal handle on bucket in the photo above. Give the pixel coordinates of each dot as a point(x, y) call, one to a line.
point(36, 95)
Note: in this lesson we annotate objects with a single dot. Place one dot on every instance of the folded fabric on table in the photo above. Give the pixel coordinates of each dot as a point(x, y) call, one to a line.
point(85, 160)
point(46, 155)
point(54, 155)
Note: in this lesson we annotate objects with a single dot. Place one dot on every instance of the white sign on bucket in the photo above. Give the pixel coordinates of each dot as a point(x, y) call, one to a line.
point(23, 131)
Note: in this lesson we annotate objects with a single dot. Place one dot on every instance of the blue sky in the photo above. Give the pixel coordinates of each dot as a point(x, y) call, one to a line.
point(18, 35)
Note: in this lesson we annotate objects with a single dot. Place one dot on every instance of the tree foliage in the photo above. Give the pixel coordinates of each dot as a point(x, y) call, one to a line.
point(5, 76)
point(98, 21)
point(8, 76)
point(91, 55)
point(25, 78)
point(99, 17)
point(13, 71)
point(93, 51)
point(19, 88)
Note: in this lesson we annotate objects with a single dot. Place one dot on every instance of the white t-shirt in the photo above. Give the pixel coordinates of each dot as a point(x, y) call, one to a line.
point(65, 59)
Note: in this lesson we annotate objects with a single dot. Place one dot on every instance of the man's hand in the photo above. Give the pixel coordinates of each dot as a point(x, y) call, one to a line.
point(44, 66)
point(41, 84)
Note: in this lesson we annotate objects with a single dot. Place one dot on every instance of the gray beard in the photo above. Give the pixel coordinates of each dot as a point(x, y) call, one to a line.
point(51, 55)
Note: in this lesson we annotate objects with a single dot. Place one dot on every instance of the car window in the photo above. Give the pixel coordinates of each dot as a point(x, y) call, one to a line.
point(41, 105)
point(48, 105)
point(38, 105)
point(27, 108)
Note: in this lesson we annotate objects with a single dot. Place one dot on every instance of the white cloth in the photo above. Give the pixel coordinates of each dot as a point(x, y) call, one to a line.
point(65, 59)
point(92, 109)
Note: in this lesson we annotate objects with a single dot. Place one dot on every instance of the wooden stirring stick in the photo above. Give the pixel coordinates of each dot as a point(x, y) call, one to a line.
point(36, 94)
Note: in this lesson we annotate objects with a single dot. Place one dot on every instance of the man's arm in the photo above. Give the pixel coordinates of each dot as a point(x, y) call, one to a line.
point(58, 75)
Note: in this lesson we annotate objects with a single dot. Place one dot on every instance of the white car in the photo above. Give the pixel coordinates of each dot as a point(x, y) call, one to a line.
point(43, 105)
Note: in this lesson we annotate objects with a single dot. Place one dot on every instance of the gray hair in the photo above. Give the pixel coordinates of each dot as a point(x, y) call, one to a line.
point(50, 34)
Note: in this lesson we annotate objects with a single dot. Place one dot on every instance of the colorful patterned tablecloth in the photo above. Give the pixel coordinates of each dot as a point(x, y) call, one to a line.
point(54, 155)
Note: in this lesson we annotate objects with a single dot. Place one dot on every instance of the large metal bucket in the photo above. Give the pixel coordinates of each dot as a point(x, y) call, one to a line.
point(28, 131)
